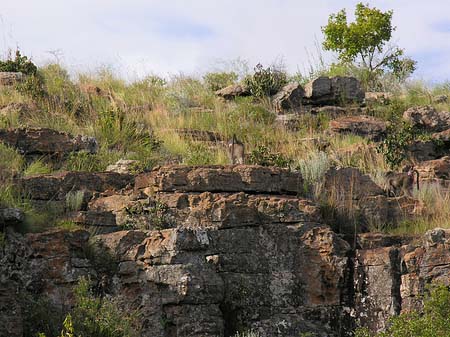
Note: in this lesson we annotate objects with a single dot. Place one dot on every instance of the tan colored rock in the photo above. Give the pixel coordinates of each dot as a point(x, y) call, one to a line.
point(43, 141)
point(364, 126)
point(233, 91)
point(10, 78)
point(124, 166)
point(380, 97)
point(238, 178)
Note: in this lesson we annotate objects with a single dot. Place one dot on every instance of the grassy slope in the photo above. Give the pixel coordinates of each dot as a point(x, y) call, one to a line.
point(131, 119)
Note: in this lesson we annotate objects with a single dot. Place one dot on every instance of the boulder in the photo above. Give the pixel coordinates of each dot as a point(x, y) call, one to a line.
point(124, 166)
point(43, 141)
point(364, 126)
point(10, 78)
point(378, 97)
point(333, 91)
point(288, 98)
point(428, 117)
point(233, 91)
point(423, 150)
point(439, 99)
point(11, 216)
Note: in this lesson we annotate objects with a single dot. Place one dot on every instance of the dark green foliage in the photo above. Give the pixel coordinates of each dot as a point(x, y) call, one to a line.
point(434, 321)
point(262, 156)
point(40, 315)
point(18, 64)
point(101, 258)
point(265, 81)
point(365, 41)
point(217, 81)
point(100, 316)
point(394, 147)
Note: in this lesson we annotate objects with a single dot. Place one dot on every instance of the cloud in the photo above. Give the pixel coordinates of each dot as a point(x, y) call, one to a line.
point(174, 36)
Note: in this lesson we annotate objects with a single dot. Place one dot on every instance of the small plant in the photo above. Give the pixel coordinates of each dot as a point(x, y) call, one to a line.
point(74, 201)
point(67, 225)
point(37, 167)
point(217, 81)
point(100, 316)
point(262, 156)
point(83, 161)
point(394, 146)
point(265, 81)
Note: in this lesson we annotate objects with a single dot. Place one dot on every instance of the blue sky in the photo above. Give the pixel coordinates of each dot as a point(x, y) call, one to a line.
point(165, 37)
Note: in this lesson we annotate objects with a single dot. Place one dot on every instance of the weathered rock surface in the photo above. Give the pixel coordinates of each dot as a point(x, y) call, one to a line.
point(233, 91)
point(289, 98)
point(21, 109)
point(43, 141)
point(438, 99)
point(10, 78)
point(428, 118)
point(219, 260)
point(378, 97)
point(356, 193)
point(124, 166)
point(364, 126)
point(435, 171)
point(54, 191)
point(238, 178)
point(11, 216)
point(334, 91)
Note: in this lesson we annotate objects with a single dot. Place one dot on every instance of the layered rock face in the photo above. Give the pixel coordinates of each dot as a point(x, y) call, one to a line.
point(219, 249)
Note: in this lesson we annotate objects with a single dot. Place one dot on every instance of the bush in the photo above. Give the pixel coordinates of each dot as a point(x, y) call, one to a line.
point(217, 81)
point(265, 81)
point(262, 156)
point(433, 321)
point(18, 64)
point(394, 147)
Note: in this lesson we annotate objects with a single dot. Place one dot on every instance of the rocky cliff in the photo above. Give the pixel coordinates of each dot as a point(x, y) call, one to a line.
point(208, 251)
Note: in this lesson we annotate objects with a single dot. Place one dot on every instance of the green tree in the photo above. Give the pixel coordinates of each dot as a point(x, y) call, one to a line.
point(365, 42)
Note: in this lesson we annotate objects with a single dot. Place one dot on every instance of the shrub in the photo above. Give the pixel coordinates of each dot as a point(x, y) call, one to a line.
point(74, 201)
point(100, 316)
point(217, 81)
point(20, 63)
point(394, 146)
point(433, 321)
point(37, 167)
point(265, 81)
point(262, 156)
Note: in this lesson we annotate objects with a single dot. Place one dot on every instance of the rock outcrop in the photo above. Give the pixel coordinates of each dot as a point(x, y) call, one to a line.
point(10, 78)
point(208, 251)
point(233, 91)
point(428, 117)
point(364, 126)
point(334, 91)
point(289, 98)
point(46, 142)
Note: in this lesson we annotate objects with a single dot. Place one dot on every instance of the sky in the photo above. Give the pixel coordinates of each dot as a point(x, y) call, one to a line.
point(169, 37)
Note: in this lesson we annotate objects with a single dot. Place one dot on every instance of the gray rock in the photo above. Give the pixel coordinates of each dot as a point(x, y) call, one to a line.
point(11, 216)
point(233, 91)
point(334, 91)
point(428, 118)
point(10, 78)
point(288, 98)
